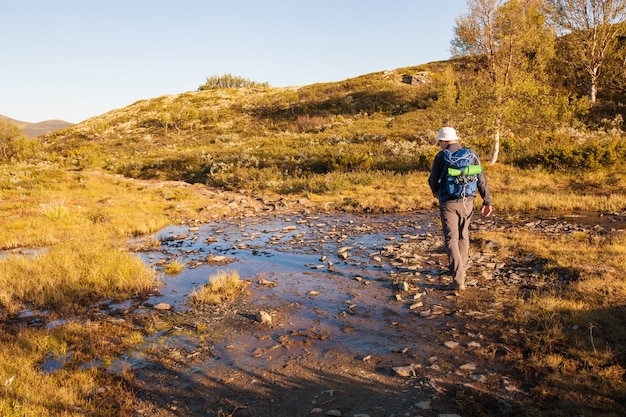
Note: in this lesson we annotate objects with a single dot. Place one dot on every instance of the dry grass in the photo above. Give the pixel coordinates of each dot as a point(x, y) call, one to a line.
point(571, 314)
point(173, 268)
point(223, 286)
point(71, 391)
point(71, 274)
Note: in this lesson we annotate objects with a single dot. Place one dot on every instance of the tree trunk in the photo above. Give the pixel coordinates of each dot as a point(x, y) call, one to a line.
point(593, 86)
point(496, 145)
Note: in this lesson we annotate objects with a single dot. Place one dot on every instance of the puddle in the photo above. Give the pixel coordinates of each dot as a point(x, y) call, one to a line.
point(328, 270)
point(54, 363)
point(298, 254)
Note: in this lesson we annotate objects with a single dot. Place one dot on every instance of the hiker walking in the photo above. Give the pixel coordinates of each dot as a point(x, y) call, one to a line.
point(455, 177)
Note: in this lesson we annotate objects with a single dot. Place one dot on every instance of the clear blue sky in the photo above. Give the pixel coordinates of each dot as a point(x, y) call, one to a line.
point(75, 59)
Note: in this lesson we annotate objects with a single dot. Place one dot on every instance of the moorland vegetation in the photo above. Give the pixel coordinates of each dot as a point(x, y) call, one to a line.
point(551, 138)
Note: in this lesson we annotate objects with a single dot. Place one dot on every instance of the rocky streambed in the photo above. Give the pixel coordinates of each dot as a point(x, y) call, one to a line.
point(345, 315)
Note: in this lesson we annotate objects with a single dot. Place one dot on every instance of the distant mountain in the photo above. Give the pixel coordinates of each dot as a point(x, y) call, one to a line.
point(33, 130)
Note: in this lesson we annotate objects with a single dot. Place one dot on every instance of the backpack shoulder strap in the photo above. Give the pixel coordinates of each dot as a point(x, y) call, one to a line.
point(463, 157)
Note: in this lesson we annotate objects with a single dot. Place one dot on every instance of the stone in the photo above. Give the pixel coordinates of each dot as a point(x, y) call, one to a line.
point(405, 371)
point(162, 307)
point(264, 317)
point(423, 405)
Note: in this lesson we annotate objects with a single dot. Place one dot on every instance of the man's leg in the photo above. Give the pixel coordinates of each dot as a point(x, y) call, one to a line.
point(464, 244)
point(450, 222)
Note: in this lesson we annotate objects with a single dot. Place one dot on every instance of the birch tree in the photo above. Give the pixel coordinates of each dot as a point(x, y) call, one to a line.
point(589, 27)
point(512, 42)
point(9, 135)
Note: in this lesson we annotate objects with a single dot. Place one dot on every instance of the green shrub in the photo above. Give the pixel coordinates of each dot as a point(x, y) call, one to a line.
point(593, 155)
point(229, 81)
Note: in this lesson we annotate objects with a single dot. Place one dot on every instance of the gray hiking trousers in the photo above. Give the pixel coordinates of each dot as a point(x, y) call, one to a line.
point(455, 219)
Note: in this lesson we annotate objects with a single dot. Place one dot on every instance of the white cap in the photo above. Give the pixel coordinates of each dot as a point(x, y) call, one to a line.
point(447, 134)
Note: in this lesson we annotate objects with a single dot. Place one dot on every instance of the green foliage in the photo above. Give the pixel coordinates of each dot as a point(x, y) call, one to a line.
point(14, 146)
point(229, 81)
point(594, 155)
point(286, 140)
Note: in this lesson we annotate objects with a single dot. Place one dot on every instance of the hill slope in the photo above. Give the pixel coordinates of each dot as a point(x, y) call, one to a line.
point(33, 130)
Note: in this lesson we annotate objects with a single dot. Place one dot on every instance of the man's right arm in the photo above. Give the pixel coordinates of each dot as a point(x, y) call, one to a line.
point(435, 174)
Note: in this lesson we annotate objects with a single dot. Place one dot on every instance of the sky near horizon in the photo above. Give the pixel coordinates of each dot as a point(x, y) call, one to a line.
point(75, 59)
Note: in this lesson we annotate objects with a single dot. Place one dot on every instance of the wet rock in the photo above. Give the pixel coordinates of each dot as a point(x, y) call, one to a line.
point(162, 307)
point(479, 378)
point(219, 260)
point(174, 238)
point(265, 282)
point(423, 405)
point(405, 371)
point(264, 318)
point(505, 406)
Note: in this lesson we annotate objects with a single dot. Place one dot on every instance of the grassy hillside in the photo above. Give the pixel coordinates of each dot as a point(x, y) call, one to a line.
point(200, 136)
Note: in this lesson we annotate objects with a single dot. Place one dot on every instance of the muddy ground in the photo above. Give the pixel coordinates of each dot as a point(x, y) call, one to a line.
point(379, 337)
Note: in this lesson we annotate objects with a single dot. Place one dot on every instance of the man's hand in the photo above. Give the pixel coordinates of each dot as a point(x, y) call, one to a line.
point(486, 211)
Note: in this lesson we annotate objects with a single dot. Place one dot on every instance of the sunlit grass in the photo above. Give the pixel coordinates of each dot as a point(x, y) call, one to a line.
point(70, 389)
point(572, 321)
point(72, 273)
point(223, 286)
point(44, 206)
point(173, 267)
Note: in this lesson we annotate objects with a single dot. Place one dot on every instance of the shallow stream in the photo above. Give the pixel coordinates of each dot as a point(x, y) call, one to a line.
point(330, 276)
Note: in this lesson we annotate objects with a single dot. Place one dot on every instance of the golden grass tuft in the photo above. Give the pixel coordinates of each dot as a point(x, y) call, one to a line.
point(173, 268)
point(223, 286)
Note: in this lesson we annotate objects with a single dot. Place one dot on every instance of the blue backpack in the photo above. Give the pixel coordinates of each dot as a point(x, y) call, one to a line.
point(459, 178)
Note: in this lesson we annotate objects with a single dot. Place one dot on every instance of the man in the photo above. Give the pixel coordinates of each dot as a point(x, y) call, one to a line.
point(456, 209)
